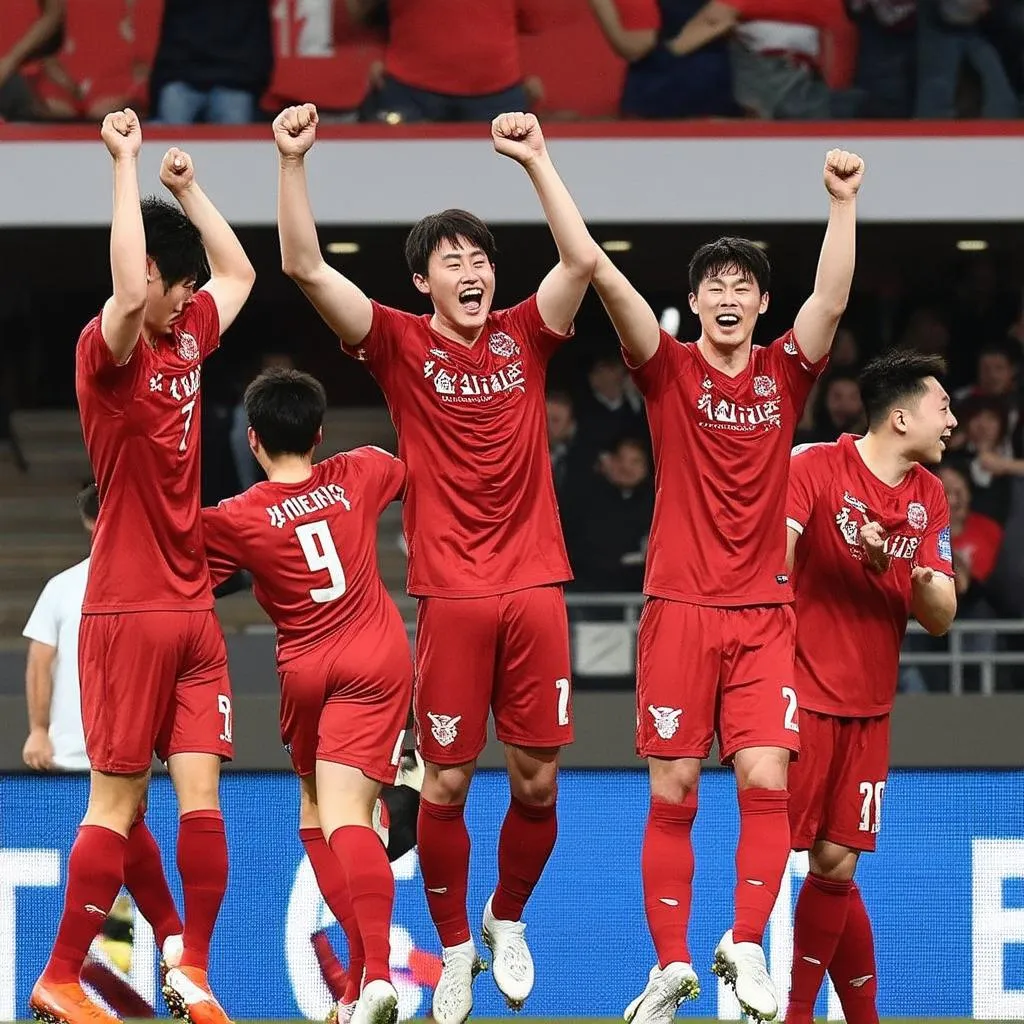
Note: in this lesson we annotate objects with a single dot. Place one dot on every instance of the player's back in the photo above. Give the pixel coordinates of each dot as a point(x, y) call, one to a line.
point(721, 453)
point(311, 548)
point(851, 619)
point(141, 423)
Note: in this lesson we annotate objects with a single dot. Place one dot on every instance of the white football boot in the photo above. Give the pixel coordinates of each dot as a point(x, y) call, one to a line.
point(453, 997)
point(340, 1013)
point(667, 989)
point(743, 967)
point(511, 963)
point(378, 1004)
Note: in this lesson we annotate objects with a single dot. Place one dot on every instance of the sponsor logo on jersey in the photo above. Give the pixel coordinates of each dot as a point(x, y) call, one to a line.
point(849, 499)
point(896, 545)
point(917, 515)
point(727, 415)
point(188, 348)
point(156, 383)
point(475, 387)
point(945, 546)
point(764, 387)
point(502, 345)
point(444, 728)
point(666, 720)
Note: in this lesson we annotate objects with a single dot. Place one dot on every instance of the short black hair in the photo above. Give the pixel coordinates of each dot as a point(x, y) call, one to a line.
point(1000, 348)
point(725, 254)
point(286, 410)
point(894, 377)
point(446, 226)
point(88, 501)
point(173, 243)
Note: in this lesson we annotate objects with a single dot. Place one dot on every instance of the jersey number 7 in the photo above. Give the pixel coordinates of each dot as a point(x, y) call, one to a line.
point(321, 554)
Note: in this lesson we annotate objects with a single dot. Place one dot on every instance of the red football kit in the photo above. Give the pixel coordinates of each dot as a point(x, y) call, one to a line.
point(850, 626)
point(342, 650)
point(715, 644)
point(486, 554)
point(151, 656)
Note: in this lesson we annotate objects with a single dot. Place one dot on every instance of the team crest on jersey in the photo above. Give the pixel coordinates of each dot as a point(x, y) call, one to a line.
point(917, 515)
point(444, 728)
point(188, 349)
point(502, 345)
point(764, 387)
point(666, 720)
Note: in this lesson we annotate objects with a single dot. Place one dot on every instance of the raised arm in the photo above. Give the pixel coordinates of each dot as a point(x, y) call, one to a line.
point(629, 44)
point(819, 316)
point(343, 305)
point(121, 322)
point(231, 273)
point(633, 319)
point(38, 34)
point(711, 22)
point(519, 137)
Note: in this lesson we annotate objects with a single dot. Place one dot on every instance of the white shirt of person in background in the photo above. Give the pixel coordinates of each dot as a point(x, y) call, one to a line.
point(56, 738)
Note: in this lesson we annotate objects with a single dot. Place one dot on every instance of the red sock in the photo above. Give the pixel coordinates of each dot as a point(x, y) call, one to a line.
point(853, 969)
point(444, 862)
point(371, 885)
point(666, 865)
point(203, 866)
point(330, 876)
point(527, 839)
point(761, 858)
point(334, 975)
point(144, 879)
point(95, 875)
point(817, 926)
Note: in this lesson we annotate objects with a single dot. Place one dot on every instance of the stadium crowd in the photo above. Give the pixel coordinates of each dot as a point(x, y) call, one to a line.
point(395, 61)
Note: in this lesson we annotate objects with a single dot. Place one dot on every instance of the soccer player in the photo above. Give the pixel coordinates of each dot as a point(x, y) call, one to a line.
point(152, 659)
point(308, 537)
point(715, 644)
point(465, 386)
point(869, 545)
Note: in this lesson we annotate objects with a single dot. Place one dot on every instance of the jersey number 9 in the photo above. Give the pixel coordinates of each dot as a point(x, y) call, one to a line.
point(321, 555)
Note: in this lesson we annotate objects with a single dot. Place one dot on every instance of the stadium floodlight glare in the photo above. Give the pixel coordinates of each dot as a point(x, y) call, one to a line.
point(342, 248)
point(972, 245)
point(617, 245)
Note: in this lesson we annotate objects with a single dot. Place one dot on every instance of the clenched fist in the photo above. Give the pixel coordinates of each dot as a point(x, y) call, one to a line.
point(38, 751)
point(843, 174)
point(872, 540)
point(518, 136)
point(122, 133)
point(295, 130)
point(177, 171)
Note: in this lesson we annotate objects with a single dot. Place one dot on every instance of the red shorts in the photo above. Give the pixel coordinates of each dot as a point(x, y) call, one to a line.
point(153, 682)
point(349, 704)
point(509, 654)
point(702, 670)
point(835, 791)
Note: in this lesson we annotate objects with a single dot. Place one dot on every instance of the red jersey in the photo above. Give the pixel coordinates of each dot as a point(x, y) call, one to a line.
point(470, 52)
point(721, 458)
point(978, 544)
point(311, 548)
point(141, 423)
point(850, 620)
point(480, 514)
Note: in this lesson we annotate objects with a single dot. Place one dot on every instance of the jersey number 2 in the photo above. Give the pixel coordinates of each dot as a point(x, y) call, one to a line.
point(321, 554)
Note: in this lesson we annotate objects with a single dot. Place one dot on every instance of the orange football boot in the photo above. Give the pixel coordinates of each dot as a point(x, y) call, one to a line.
point(66, 1004)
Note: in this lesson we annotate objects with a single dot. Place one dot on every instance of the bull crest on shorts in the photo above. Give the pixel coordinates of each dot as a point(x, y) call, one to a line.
point(666, 720)
point(444, 728)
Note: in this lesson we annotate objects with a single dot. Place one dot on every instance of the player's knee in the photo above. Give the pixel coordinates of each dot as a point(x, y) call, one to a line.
point(762, 768)
point(832, 862)
point(114, 800)
point(196, 779)
point(447, 784)
point(309, 813)
point(672, 781)
point(533, 775)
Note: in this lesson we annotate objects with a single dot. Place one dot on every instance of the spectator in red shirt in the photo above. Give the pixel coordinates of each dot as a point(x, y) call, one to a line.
point(446, 65)
point(976, 539)
point(28, 32)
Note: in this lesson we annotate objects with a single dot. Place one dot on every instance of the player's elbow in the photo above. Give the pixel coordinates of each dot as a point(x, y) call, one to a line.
point(299, 269)
point(582, 265)
point(938, 621)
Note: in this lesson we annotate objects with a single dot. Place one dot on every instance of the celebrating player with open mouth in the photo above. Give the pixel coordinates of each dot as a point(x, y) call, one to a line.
point(152, 658)
point(715, 644)
point(869, 546)
point(465, 387)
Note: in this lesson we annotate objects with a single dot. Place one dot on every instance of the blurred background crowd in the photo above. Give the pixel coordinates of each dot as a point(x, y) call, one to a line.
point(396, 61)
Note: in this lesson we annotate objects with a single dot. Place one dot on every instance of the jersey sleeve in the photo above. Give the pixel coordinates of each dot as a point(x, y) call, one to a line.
point(652, 376)
point(383, 340)
point(203, 322)
point(222, 538)
point(805, 480)
point(384, 472)
point(936, 550)
point(526, 323)
point(98, 371)
point(43, 625)
point(795, 369)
